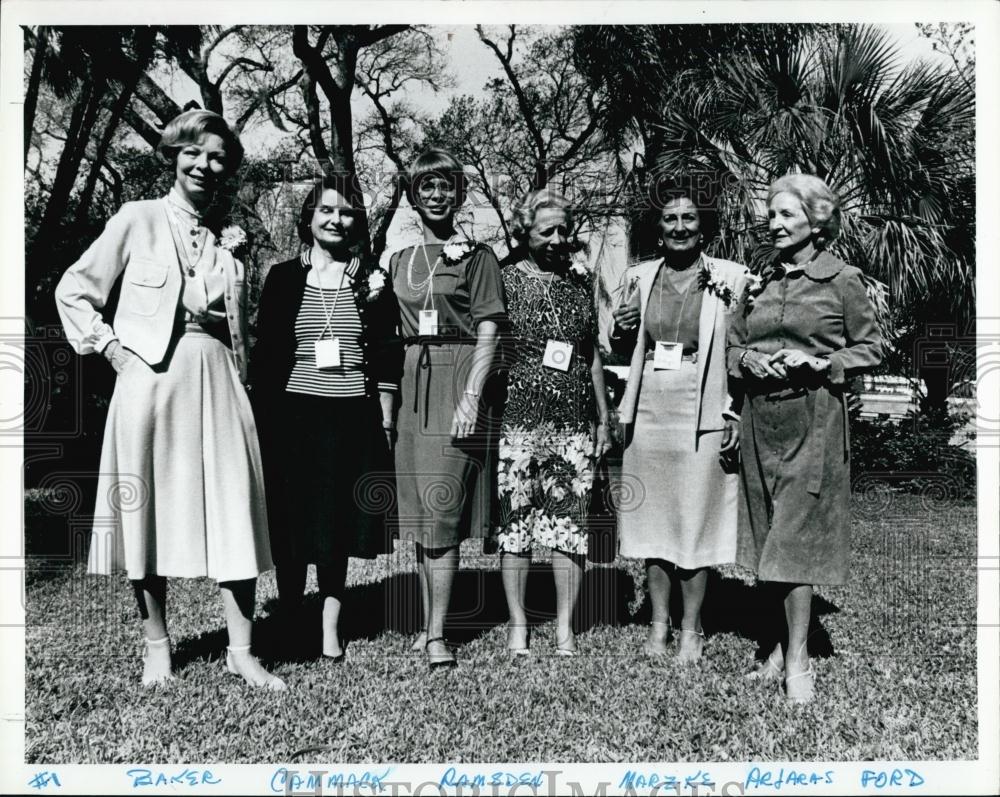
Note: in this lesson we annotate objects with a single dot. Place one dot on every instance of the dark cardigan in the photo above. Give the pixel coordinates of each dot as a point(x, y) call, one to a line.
point(273, 357)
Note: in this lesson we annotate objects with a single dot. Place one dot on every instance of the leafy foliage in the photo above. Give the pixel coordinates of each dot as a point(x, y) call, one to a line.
point(920, 453)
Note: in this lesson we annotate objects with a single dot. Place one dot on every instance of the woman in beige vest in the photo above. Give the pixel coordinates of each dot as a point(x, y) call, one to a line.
point(680, 456)
point(180, 492)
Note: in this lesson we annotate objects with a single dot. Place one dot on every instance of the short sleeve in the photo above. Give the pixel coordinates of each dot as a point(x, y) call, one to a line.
point(486, 294)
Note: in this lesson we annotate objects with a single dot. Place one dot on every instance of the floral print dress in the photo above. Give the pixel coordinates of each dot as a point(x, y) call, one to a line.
point(546, 468)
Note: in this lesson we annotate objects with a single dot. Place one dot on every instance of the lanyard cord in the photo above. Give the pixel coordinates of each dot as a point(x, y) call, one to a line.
point(329, 315)
point(684, 298)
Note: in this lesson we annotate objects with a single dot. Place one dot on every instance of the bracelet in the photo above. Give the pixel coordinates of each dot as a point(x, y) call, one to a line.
point(473, 393)
point(744, 356)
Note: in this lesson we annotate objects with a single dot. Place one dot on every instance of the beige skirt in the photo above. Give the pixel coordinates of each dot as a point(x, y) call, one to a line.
point(180, 492)
point(676, 502)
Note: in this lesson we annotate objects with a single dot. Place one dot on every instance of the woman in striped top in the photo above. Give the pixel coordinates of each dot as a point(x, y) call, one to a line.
point(325, 372)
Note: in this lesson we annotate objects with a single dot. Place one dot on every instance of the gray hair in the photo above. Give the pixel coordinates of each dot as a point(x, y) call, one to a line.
point(523, 215)
point(820, 203)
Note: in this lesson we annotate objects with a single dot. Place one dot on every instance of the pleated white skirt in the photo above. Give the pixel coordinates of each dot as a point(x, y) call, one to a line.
point(180, 491)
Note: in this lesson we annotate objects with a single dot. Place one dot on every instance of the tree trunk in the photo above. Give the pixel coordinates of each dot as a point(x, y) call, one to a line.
point(144, 49)
point(80, 127)
point(34, 81)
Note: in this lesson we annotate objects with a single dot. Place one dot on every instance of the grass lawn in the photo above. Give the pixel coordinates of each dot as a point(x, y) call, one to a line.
point(895, 661)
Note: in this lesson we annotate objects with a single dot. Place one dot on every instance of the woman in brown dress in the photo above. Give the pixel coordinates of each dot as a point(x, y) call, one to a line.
point(807, 329)
point(450, 303)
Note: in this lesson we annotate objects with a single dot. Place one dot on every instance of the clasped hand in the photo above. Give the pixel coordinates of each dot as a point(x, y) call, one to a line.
point(626, 316)
point(775, 366)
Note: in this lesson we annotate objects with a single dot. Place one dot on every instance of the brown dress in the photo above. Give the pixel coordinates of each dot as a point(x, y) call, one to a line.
point(795, 475)
point(446, 488)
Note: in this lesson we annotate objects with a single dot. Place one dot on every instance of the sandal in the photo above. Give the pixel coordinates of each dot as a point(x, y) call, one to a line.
point(418, 644)
point(804, 689)
point(440, 663)
point(524, 651)
point(771, 669)
point(648, 648)
point(562, 648)
point(699, 637)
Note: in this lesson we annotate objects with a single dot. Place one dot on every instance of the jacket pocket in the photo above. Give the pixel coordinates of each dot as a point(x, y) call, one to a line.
point(146, 279)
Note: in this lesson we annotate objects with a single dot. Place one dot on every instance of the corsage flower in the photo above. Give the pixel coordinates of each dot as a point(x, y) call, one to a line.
point(376, 283)
point(232, 238)
point(456, 250)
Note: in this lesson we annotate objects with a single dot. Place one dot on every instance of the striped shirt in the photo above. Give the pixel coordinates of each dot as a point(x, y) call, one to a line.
point(347, 381)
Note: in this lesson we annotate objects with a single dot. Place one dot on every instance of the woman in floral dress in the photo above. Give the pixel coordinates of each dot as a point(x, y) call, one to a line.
point(549, 443)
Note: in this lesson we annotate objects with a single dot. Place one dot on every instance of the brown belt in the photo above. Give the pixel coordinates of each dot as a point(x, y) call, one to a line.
point(691, 358)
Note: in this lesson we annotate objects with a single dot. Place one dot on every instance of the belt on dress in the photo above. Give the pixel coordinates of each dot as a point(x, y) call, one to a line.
point(691, 358)
point(424, 363)
point(816, 444)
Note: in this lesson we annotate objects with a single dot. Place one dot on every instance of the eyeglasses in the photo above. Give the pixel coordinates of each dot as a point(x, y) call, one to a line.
point(430, 186)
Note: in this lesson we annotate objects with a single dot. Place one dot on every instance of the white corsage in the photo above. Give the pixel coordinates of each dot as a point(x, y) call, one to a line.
point(376, 283)
point(729, 284)
point(232, 238)
point(456, 250)
point(753, 288)
point(579, 270)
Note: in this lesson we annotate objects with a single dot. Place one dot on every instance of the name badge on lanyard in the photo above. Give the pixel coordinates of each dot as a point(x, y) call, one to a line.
point(428, 323)
point(558, 355)
point(327, 353)
point(667, 355)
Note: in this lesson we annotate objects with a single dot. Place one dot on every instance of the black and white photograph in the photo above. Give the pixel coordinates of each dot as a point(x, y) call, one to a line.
point(474, 398)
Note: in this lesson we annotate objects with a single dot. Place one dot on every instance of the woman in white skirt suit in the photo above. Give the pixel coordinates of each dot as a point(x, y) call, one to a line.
point(180, 491)
point(683, 438)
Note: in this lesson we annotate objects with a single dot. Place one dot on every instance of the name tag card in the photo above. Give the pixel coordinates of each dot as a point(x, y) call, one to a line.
point(327, 353)
point(428, 323)
point(558, 355)
point(667, 355)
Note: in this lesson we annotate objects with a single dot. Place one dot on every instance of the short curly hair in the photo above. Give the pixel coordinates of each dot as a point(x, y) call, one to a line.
point(436, 163)
point(523, 214)
point(820, 203)
point(188, 127)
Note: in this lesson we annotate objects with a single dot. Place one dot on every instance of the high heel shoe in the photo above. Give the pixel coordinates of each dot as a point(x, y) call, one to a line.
point(420, 643)
point(522, 651)
point(439, 663)
point(801, 687)
point(270, 681)
point(566, 647)
point(149, 678)
point(771, 669)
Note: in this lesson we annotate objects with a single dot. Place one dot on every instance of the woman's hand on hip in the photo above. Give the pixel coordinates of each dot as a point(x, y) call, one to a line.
point(794, 358)
point(466, 414)
point(119, 356)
